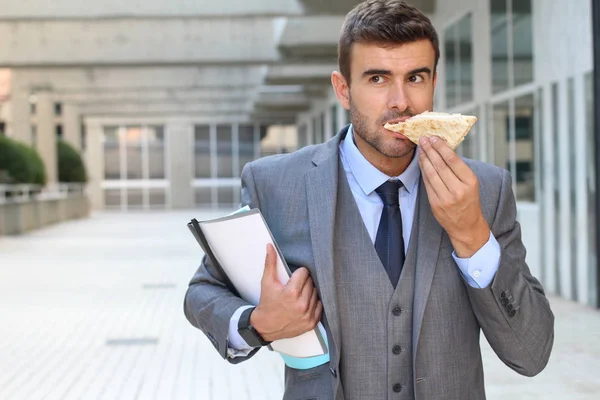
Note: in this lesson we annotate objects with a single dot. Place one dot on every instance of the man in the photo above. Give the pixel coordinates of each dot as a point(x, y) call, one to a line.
point(411, 250)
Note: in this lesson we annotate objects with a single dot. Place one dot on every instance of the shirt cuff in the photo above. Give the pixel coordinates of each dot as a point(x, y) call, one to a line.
point(479, 270)
point(237, 346)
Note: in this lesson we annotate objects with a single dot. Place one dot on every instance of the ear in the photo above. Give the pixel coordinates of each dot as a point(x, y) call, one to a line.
point(435, 79)
point(341, 88)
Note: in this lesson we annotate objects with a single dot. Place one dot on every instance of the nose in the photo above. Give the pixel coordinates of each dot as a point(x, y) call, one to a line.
point(397, 98)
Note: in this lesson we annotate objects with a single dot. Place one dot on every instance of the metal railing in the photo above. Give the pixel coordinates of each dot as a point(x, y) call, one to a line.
point(23, 193)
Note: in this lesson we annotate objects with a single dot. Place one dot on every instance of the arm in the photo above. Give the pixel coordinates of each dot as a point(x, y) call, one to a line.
point(208, 304)
point(513, 311)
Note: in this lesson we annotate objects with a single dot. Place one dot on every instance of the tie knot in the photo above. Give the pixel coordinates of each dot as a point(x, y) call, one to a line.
point(388, 192)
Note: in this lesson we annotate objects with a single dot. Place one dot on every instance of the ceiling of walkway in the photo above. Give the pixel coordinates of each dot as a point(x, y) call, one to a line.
point(261, 59)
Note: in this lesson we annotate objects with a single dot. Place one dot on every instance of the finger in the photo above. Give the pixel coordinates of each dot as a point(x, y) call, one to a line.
point(270, 272)
point(439, 163)
point(460, 169)
point(436, 189)
point(297, 281)
point(319, 311)
point(313, 300)
point(307, 291)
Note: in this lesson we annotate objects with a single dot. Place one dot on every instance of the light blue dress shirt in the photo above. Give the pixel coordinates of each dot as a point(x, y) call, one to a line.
point(364, 178)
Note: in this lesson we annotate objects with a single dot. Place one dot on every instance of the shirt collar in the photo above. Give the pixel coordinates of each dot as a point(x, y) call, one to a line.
point(370, 178)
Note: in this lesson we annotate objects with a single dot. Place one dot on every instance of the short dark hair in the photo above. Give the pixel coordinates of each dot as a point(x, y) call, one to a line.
point(386, 22)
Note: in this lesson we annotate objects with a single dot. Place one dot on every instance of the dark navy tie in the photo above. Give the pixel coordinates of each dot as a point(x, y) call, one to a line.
point(389, 242)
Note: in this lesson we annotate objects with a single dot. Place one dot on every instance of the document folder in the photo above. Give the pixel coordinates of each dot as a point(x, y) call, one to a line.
point(236, 246)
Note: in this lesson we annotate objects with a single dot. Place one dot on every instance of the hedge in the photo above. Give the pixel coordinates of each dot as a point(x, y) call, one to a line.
point(70, 164)
point(20, 163)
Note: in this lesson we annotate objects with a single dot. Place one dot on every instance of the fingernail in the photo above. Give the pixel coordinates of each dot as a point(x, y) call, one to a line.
point(423, 140)
point(434, 139)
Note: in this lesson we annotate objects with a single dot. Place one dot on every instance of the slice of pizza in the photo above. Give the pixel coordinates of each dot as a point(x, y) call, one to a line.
point(451, 127)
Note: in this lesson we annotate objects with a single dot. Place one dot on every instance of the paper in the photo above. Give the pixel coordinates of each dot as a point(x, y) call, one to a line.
point(239, 242)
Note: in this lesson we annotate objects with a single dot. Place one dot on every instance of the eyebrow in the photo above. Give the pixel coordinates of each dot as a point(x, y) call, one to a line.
point(425, 70)
point(375, 71)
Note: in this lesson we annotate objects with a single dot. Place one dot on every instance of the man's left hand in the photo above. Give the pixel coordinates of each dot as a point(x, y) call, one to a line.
point(453, 191)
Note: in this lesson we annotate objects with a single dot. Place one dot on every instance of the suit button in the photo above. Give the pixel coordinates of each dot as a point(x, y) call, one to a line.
point(509, 308)
point(397, 388)
point(504, 301)
point(333, 372)
point(397, 311)
point(397, 350)
point(512, 313)
point(503, 295)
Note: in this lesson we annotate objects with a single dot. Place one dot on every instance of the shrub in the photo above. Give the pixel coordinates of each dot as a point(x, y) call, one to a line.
point(70, 164)
point(20, 163)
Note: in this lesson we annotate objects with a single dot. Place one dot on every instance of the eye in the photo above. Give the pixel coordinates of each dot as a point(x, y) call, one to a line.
point(415, 79)
point(376, 79)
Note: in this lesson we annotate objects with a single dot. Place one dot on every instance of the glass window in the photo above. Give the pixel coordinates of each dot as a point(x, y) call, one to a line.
point(59, 131)
point(156, 152)
point(556, 189)
point(470, 146)
point(133, 149)
point(202, 151)
point(224, 151)
point(524, 177)
point(33, 136)
point(58, 109)
point(591, 187)
point(112, 198)
point(450, 46)
point(135, 198)
point(226, 196)
point(522, 37)
point(157, 198)
point(465, 59)
point(302, 136)
point(112, 162)
point(334, 120)
point(203, 196)
point(246, 146)
point(501, 135)
point(499, 37)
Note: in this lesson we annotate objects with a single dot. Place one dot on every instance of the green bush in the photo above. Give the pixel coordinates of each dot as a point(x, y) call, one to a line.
point(70, 164)
point(20, 163)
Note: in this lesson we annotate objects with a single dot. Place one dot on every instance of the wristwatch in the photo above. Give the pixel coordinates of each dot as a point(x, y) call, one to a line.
point(248, 332)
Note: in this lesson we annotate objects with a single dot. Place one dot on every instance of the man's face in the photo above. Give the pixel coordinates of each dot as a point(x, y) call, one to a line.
point(389, 84)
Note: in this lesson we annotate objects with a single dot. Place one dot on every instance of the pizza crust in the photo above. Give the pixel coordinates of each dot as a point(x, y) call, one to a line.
point(451, 127)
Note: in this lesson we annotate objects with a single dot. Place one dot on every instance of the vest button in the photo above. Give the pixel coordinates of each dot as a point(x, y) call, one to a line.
point(397, 350)
point(397, 388)
point(397, 311)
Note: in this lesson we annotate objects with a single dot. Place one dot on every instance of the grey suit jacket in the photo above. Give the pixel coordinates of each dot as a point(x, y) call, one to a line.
point(297, 195)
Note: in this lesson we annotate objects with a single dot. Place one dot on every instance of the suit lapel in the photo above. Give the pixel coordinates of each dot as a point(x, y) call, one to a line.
point(428, 247)
point(321, 188)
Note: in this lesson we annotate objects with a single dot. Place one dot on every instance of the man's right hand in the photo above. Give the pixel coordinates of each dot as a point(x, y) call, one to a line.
point(289, 310)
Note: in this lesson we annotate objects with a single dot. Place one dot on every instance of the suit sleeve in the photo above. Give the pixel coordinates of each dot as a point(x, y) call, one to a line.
point(513, 311)
point(208, 304)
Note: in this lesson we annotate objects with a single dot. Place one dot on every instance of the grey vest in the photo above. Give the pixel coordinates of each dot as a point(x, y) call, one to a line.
point(375, 321)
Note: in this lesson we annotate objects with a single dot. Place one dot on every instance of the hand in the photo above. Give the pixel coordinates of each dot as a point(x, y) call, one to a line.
point(285, 311)
point(453, 191)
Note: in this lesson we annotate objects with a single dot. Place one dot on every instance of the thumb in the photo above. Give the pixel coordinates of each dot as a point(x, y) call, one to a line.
point(270, 273)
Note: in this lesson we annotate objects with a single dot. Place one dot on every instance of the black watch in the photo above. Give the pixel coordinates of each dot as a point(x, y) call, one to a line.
point(248, 332)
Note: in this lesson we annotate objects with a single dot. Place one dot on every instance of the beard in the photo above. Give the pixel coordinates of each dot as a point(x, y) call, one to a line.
point(387, 145)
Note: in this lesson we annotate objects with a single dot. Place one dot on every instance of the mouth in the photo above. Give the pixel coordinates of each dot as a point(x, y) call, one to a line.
point(398, 120)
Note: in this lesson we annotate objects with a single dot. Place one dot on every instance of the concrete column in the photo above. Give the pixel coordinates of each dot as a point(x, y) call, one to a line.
point(71, 126)
point(179, 138)
point(94, 161)
point(46, 136)
point(18, 126)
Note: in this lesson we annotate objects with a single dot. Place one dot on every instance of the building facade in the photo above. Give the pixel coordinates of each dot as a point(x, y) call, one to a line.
point(167, 102)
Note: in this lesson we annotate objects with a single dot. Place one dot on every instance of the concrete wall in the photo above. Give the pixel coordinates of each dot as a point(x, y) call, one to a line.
point(18, 218)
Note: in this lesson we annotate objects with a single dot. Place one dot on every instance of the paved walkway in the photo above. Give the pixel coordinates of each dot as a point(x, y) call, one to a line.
point(92, 309)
